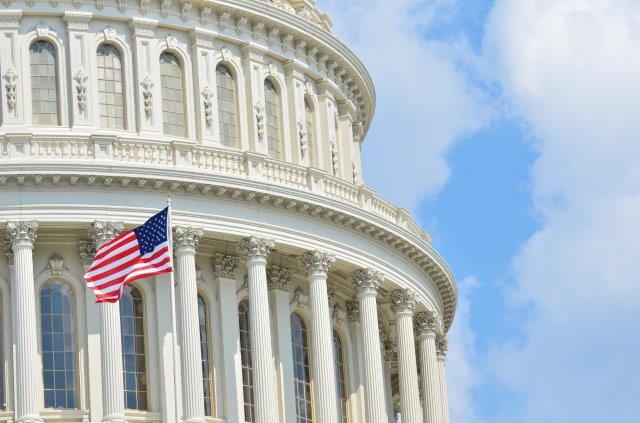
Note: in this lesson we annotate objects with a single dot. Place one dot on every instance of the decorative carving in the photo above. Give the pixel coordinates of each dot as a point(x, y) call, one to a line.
point(299, 299)
point(354, 171)
point(241, 24)
point(223, 19)
point(260, 119)
point(185, 10)
point(442, 345)
point(279, 278)
point(147, 96)
point(224, 266)
point(101, 232)
point(87, 252)
point(331, 295)
point(55, 264)
point(287, 40)
point(425, 323)
point(122, 6)
point(205, 12)
point(367, 281)
point(186, 239)
point(402, 301)
point(172, 42)
point(272, 70)
point(10, 77)
point(226, 54)
point(164, 8)
point(353, 311)
point(272, 34)
point(99, 4)
point(144, 6)
point(8, 251)
point(317, 262)
point(302, 136)
point(255, 249)
point(22, 232)
point(300, 48)
point(207, 95)
point(256, 29)
point(334, 156)
point(80, 79)
point(338, 314)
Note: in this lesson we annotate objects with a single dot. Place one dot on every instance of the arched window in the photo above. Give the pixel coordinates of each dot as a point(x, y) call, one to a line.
point(133, 348)
point(272, 106)
point(44, 83)
point(58, 328)
point(110, 87)
point(311, 127)
point(205, 351)
point(227, 106)
point(172, 95)
point(341, 383)
point(245, 355)
point(301, 370)
point(3, 403)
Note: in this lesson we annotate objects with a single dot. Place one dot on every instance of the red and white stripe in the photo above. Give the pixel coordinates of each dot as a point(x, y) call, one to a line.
point(119, 262)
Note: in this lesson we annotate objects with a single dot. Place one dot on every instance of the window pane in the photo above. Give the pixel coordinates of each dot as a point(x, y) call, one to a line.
point(44, 83)
point(227, 106)
point(205, 350)
point(109, 83)
point(341, 386)
point(272, 105)
point(245, 354)
point(57, 324)
point(172, 95)
point(301, 371)
point(133, 349)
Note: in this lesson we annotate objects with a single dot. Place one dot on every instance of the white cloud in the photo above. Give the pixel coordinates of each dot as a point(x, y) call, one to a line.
point(571, 69)
point(424, 102)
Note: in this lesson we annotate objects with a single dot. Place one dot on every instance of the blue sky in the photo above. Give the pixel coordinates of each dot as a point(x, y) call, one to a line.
point(511, 130)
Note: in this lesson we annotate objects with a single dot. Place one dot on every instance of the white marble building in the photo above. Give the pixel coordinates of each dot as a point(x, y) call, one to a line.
point(302, 296)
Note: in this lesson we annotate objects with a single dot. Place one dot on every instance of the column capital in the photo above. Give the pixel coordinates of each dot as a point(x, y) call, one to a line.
point(9, 253)
point(367, 281)
point(224, 266)
point(22, 232)
point(279, 278)
point(87, 252)
point(101, 232)
point(255, 249)
point(402, 301)
point(353, 311)
point(442, 345)
point(426, 323)
point(317, 262)
point(186, 239)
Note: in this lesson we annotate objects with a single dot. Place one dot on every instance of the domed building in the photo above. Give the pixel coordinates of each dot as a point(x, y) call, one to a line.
point(301, 295)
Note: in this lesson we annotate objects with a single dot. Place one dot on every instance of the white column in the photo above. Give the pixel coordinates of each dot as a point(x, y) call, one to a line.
point(224, 274)
point(317, 264)
point(22, 235)
point(255, 251)
point(403, 303)
point(279, 283)
point(111, 340)
point(185, 242)
point(367, 282)
point(80, 50)
point(425, 325)
point(357, 394)
point(253, 63)
point(146, 85)
point(441, 351)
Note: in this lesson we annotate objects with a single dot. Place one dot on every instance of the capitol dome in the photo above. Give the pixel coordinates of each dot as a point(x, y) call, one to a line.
point(302, 296)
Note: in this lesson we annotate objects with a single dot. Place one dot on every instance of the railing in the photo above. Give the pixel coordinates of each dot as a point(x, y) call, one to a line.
point(206, 159)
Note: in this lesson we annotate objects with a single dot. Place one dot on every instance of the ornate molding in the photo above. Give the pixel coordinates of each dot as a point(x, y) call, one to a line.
point(8, 251)
point(367, 281)
point(87, 252)
point(299, 299)
point(142, 27)
point(260, 119)
point(207, 95)
point(78, 21)
point(425, 323)
point(147, 96)
point(303, 137)
point(186, 239)
point(442, 345)
point(55, 264)
point(279, 278)
point(224, 266)
point(402, 301)
point(338, 314)
point(255, 249)
point(80, 78)
point(101, 232)
point(353, 311)
point(10, 77)
point(317, 262)
point(335, 160)
point(22, 232)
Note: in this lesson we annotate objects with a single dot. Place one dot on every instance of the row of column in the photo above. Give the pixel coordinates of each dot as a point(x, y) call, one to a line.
point(255, 252)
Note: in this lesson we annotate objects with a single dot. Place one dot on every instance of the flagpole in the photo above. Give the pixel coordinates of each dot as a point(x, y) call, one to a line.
point(174, 345)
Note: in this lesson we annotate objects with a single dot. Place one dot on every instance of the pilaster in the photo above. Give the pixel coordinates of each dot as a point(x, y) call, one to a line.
point(11, 72)
point(253, 63)
point(202, 51)
point(80, 50)
point(147, 86)
point(294, 77)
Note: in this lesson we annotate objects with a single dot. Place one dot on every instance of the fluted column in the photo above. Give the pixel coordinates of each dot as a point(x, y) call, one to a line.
point(425, 326)
point(441, 352)
point(317, 264)
point(22, 235)
point(111, 339)
point(255, 251)
point(403, 303)
point(185, 240)
point(367, 282)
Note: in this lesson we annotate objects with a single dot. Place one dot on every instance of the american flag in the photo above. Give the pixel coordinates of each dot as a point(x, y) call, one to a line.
point(135, 254)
